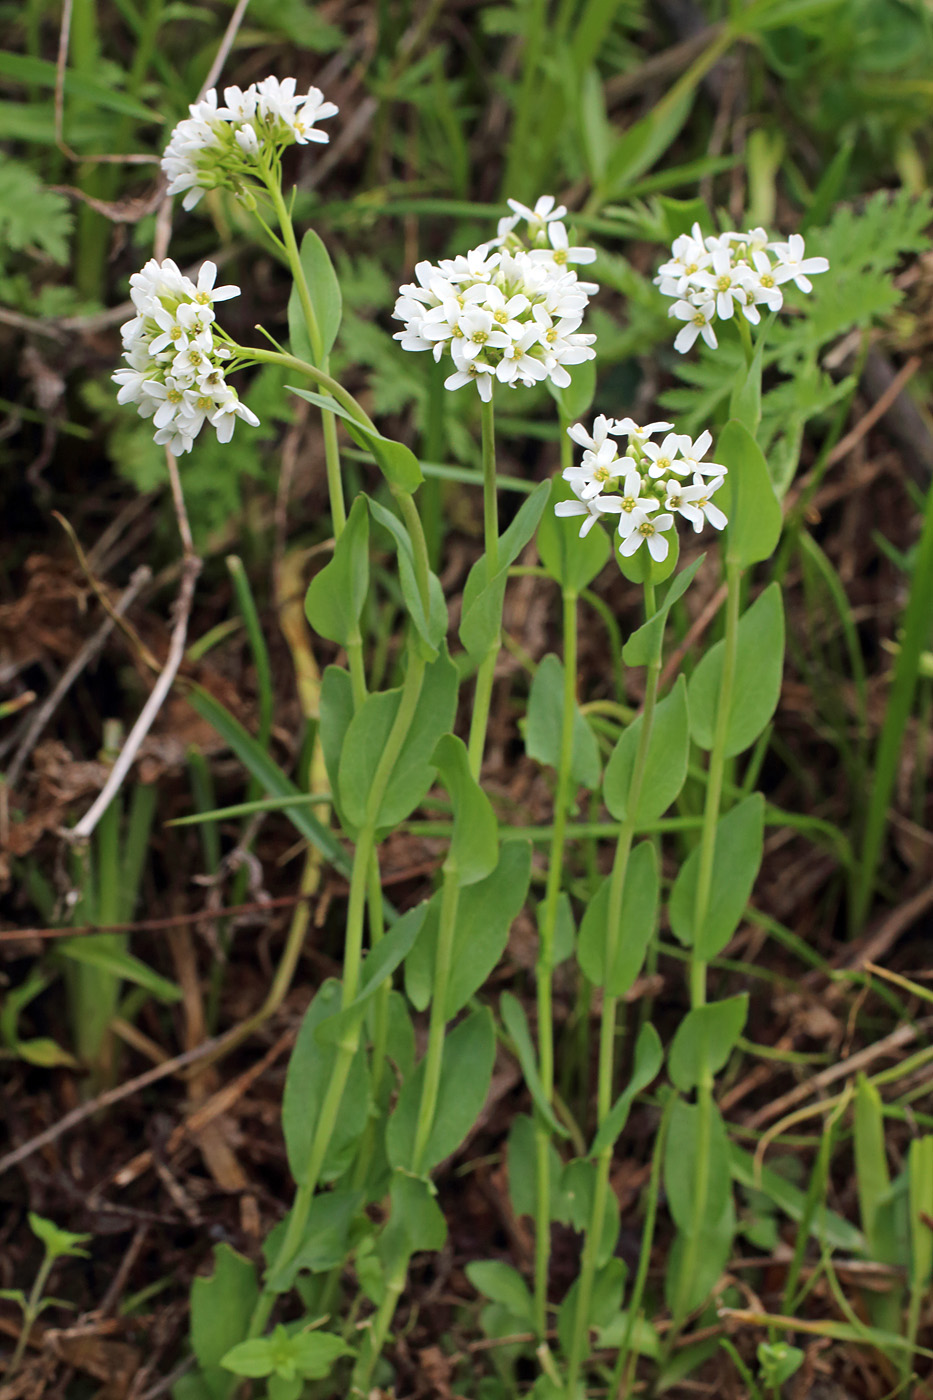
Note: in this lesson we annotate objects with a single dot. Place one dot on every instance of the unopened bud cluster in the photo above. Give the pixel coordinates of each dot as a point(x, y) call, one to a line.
point(647, 486)
point(508, 310)
point(222, 147)
point(713, 277)
point(174, 358)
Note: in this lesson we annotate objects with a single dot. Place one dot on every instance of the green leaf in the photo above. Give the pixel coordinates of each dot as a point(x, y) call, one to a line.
point(705, 1039)
point(316, 1352)
point(516, 1025)
point(644, 642)
point(644, 143)
point(336, 712)
point(578, 1185)
point(398, 463)
point(637, 920)
point(736, 859)
point(267, 772)
point(221, 1309)
point(58, 1243)
point(682, 1161)
point(756, 688)
point(415, 1221)
point(605, 1302)
point(829, 1229)
point(474, 846)
point(336, 595)
point(572, 562)
point(521, 1157)
point(745, 404)
point(310, 1070)
point(648, 1058)
point(99, 951)
point(481, 617)
point(711, 1255)
point(485, 912)
point(871, 1168)
point(920, 1178)
point(433, 627)
point(413, 772)
point(378, 965)
point(325, 300)
point(575, 400)
point(100, 92)
point(502, 1284)
point(545, 723)
point(44, 1052)
point(755, 515)
point(466, 1072)
point(326, 1241)
point(665, 763)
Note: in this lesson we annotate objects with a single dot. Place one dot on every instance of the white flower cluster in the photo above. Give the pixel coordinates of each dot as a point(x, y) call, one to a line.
point(218, 147)
point(174, 362)
point(647, 486)
point(509, 310)
point(713, 276)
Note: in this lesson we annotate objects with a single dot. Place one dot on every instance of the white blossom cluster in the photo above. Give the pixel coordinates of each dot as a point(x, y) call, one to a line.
point(713, 277)
point(174, 360)
point(647, 486)
point(509, 310)
point(221, 146)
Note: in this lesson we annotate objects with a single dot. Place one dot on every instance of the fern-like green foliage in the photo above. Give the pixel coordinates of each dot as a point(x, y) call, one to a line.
point(31, 217)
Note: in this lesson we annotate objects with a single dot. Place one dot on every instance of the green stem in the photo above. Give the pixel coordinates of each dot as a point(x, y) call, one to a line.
point(328, 422)
point(607, 1028)
point(545, 969)
point(484, 677)
point(433, 1062)
point(256, 354)
point(30, 1313)
point(698, 965)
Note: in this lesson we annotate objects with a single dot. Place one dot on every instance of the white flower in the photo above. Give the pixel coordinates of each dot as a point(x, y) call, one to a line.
point(699, 322)
point(537, 218)
point(591, 509)
point(792, 266)
point(517, 363)
point(478, 374)
point(602, 426)
point(174, 370)
point(692, 453)
point(693, 502)
point(637, 436)
point(650, 531)
point(560, 253)
point(663, 458)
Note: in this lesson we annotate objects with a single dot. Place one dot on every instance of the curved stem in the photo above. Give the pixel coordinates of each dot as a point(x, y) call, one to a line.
point(329, 426)
point(545, 969)
point(607, 1028)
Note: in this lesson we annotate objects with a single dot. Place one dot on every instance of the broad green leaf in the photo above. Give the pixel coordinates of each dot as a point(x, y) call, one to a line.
point(745, 404)
point(466, 1072)
point(46, 1053)
point(337, 593)
point(254, 1358)
point(267, 772)
point(754, 511)
point(481, 617)
point(415, 1221)
point(326, 300)
point(484, 916)
point(58, 1243)
point(756, 689)
point(704, 1040)
point(221, 1308)
point(644, 642)
point(398, 463)
point(310, 1070)
point(920, 1178)
point(644, 1337)
point(326, 1241)
point(502, 1284)
point(637, 919)
point(474, 845)
point(644, 143)
point(685, 1154)
point(648, 1058)
point(710, 1257)
point(97, 950)
point(378, 965)
point(413, 772)
point(605, 1302)
point(572, 562)
point(516, 1024)
point(826, 1227)
point(545, 723)
point(736, 857)
point(521, 1157)
point(578, 1185)
point(665, 764)
point(432, 627)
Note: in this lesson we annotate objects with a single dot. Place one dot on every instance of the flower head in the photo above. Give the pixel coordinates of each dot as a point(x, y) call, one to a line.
point(218, 147)
point(174, 356)
point(508, 310)
point(645, 488)
point(718, 276)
